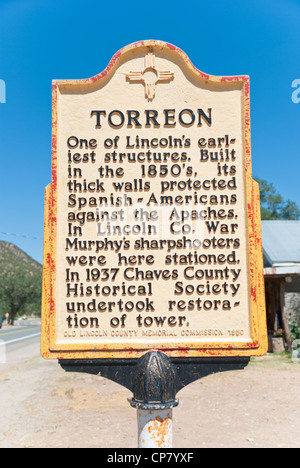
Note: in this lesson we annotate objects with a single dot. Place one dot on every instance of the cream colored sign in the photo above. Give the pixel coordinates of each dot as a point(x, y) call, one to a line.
point(152, 220)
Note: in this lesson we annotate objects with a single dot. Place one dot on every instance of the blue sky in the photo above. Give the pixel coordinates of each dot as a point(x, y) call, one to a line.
point(42, 40)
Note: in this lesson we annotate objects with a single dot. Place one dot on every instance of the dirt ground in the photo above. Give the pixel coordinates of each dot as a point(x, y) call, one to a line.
point(44, 407)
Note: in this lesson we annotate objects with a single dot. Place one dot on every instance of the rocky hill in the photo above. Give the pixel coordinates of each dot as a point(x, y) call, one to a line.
point(20, 282)
point(12, 257)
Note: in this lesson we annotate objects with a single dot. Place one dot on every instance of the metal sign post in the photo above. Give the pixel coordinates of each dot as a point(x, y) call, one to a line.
point(154, 397)
point(155, 380)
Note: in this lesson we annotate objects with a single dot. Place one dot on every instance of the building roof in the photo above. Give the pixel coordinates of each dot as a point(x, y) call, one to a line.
point(281, 242)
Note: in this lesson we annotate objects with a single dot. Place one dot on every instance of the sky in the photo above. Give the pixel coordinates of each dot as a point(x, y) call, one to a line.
point(42, 40)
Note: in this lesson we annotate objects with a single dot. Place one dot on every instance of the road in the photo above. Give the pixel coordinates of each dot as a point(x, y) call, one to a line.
point(19, 343)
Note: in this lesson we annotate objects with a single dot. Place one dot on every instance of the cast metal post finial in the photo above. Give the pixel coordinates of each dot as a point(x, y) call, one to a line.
point(154, 382)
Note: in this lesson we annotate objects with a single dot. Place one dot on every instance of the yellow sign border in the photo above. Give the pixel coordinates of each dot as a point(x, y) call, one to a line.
point(259, 344)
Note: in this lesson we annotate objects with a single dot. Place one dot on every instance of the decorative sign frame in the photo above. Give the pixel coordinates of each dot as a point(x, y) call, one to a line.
point(234, 323)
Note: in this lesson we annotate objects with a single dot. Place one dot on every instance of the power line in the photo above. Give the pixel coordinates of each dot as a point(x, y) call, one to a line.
point(24, 236)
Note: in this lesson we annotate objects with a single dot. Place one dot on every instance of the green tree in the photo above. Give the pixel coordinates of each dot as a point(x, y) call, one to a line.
point(273, 206)
point(20, 292)
point(20, 283)
point(290, 210)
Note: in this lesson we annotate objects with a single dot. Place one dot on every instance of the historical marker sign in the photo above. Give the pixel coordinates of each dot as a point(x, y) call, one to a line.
point(152, 225)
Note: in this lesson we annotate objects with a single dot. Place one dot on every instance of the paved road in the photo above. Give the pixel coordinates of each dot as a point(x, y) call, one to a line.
point(19, 343)
point(20, 332)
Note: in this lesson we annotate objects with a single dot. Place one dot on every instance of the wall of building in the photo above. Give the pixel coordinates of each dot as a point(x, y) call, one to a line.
point(292, 299)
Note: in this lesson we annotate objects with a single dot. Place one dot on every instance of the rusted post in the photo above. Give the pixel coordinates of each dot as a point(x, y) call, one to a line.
point(155, 428)
point(154, 390)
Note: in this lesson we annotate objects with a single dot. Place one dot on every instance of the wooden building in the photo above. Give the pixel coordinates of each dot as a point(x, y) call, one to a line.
point(281, 244)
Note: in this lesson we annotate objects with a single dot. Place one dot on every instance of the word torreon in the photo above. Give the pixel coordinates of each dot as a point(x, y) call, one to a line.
point(185, 117)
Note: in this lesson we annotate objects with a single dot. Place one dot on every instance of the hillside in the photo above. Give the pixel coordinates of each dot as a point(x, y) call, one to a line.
point(20, 282)
point(12, 257)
